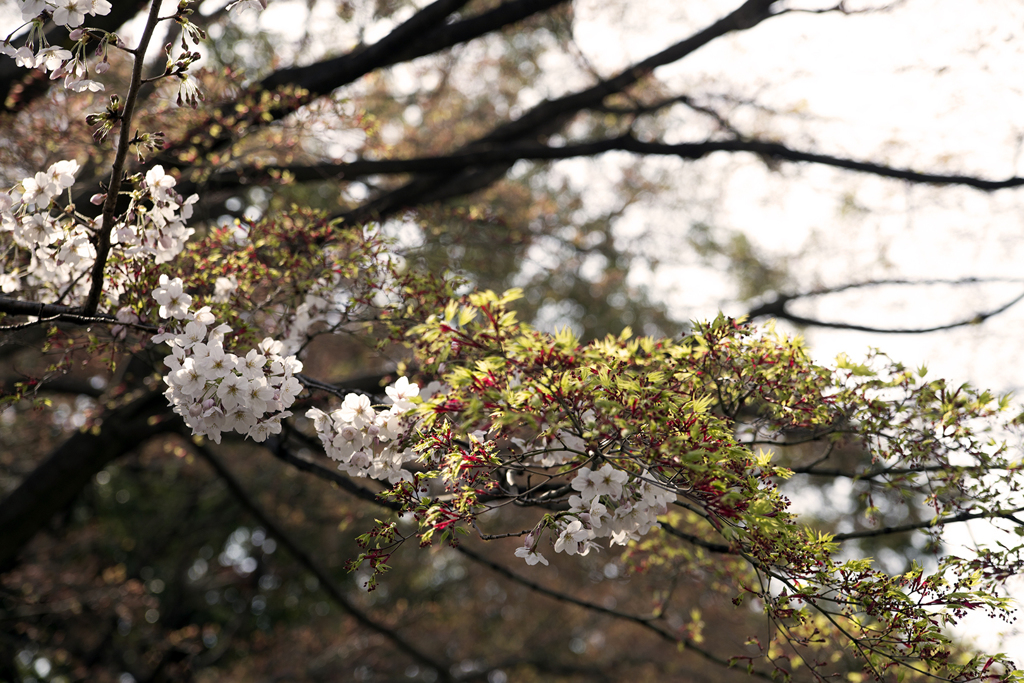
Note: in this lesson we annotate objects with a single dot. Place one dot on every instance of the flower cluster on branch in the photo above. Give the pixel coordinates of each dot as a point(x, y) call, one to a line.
point(214, 390)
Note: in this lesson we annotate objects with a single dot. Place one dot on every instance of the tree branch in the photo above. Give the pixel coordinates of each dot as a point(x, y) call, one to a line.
point(472, 158)
point(423, 34)
point(56, 482)
point(929, 524)
point(102, 238)
point(646, 622)
point(897, 471)
point(47, 313)
point(547, 118)
point(325, 76)
point(314, 567)
point(697, 541)
point(281, 452)
point(777, 309)
point(13, 306)
point(19, 86)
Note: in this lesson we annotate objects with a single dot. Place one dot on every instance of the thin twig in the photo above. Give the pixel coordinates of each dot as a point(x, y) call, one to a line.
point(646, 622)
point(117, 168)
point(929, 524)
point(314, 567)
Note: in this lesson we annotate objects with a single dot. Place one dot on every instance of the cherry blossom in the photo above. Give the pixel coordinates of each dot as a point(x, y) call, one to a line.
point(532, 557)
point(401, 393)
point(71, 12)
point(214, 390)
point(241, 5)
point(170, 295)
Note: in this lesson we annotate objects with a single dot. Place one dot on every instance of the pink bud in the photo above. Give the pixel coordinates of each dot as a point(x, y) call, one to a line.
point(76, 34)
point(98, 198)
point(102, 67)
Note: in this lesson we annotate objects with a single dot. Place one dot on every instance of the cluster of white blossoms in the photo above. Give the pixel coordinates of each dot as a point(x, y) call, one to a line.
point(58, 239)
point(325, 302)
point(366, 441)
point(155, 220)
point(215, 391)
point(610, 503)
point(60, 248)
point(36, 53)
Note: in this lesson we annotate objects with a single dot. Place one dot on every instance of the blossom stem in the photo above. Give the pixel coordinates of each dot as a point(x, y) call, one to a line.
point(117, 169)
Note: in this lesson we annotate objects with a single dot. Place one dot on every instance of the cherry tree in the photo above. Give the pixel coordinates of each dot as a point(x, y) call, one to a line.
point(658, 451)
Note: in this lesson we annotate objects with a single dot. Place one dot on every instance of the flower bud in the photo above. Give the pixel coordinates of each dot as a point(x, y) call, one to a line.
point(98, 198)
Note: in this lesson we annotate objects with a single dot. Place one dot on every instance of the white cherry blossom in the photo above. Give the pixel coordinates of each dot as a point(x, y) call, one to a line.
point(71, 12)
point(532, 557)
point(401, 393)
point(171, 296)
point(357, 410)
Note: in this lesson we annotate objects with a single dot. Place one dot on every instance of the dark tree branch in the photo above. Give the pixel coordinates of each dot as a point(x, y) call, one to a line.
point(47, 313)
point(467, 159)
point(471, 162)
point(749, 14)
point(368, 384)
point(13, 306)
point(281, 452)
point(777, 309)
point(306, 560)
point(646, 622)
point(61, 384)
point(825, 291)
point(57, 480)
point(102, 237)
point(813, 471)
point(697, 541)
point(547, 118)
point(930, 524)
point(423, 34)
point(325, 76)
